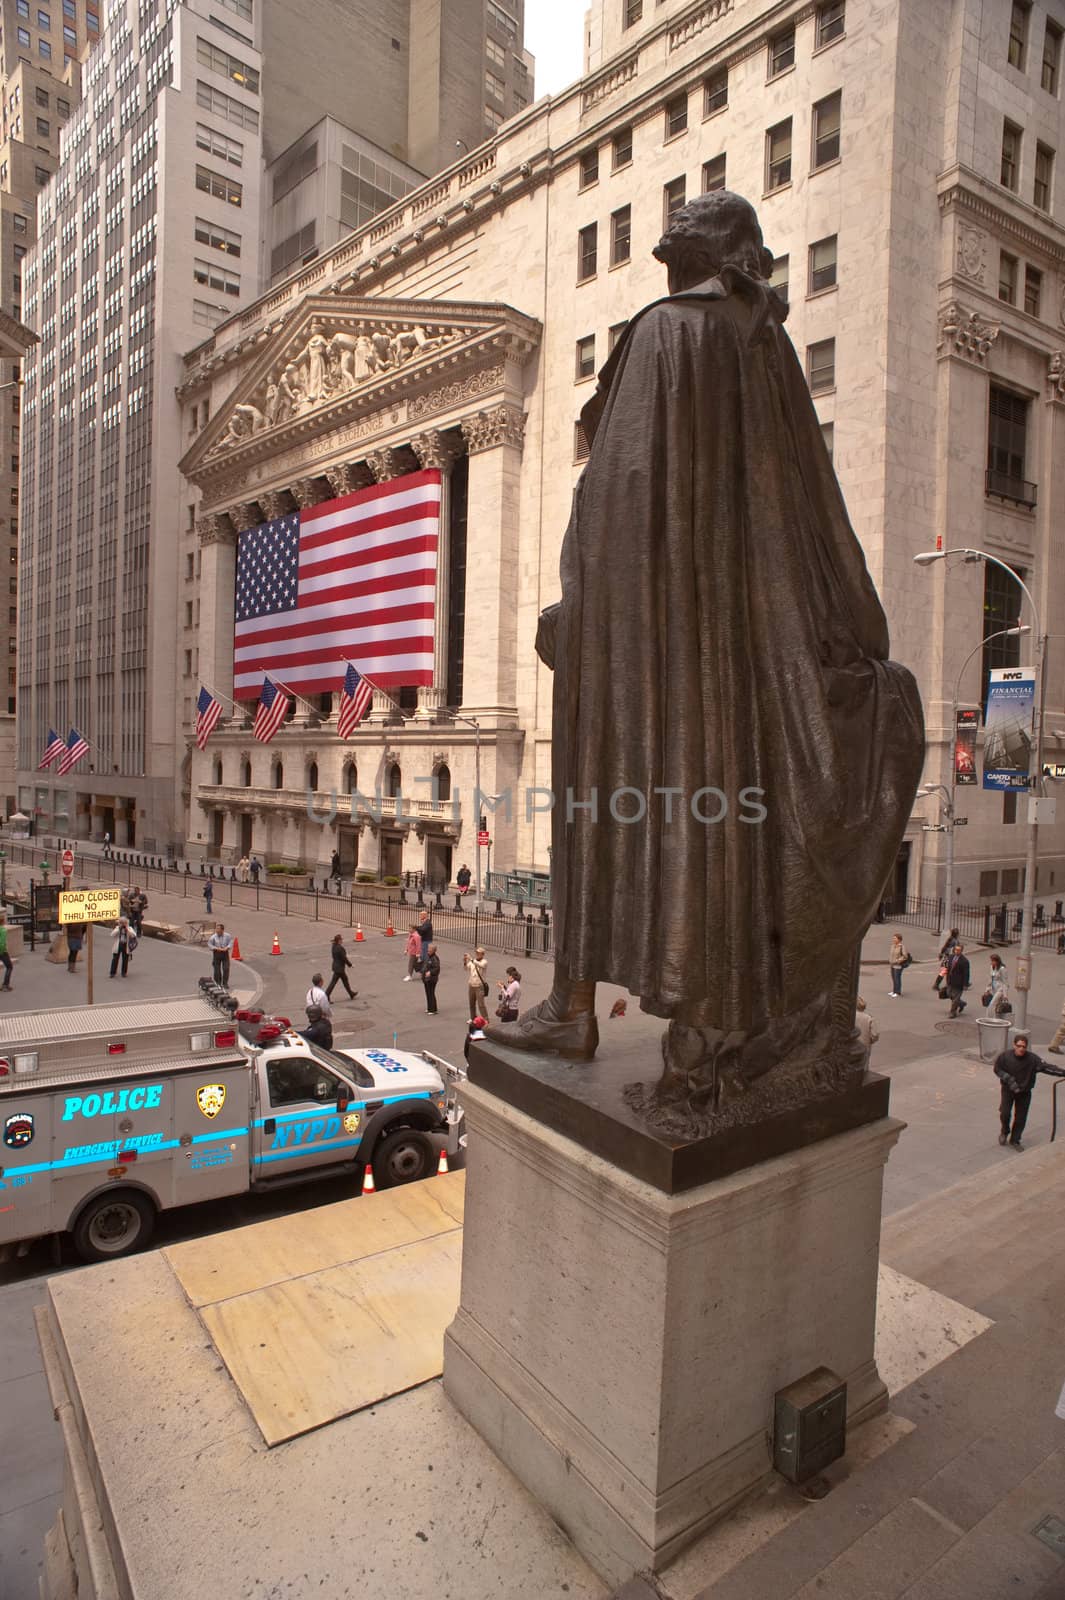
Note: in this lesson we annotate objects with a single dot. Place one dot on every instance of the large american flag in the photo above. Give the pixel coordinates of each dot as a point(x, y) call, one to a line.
point(208, 711)
point(52, 750)
point(353, 578)
point(76, 747)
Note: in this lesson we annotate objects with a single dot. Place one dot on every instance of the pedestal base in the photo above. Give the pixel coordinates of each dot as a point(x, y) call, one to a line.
point(619, 1347)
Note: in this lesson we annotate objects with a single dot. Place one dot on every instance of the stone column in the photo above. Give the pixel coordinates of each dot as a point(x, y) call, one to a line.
point(218, 570)
point(348, 476)
point(494, 440)
point(310, 491)
point(439, 450)
point(386, 464)
point(276, 503)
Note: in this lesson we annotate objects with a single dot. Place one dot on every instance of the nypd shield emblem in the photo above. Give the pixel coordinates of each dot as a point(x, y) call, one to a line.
point(210, 1098)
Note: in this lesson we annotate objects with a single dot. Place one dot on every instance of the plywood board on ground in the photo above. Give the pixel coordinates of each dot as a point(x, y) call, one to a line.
point(323, 1345)
point(282, 1248)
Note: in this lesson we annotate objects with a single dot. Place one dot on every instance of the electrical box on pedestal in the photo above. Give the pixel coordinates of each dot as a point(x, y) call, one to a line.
point(809, 1425)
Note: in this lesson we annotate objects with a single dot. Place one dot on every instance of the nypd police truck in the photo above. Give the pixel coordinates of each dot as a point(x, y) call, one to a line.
point(111, 1114)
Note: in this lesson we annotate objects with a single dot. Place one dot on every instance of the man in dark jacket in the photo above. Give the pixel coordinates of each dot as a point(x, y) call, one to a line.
point(318, 1029)
point(339, 957)
point(1016, 1069)
point(462, 878)
point(424, 931)
point(430, 977)
point(958, 980)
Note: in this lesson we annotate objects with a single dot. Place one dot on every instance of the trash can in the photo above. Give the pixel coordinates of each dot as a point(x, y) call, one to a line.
point(993, 1034)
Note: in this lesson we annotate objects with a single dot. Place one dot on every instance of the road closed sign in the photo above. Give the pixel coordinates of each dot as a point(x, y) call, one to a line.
point(90, 905)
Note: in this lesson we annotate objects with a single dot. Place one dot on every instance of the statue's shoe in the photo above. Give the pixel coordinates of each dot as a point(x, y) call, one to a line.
point(540, 1028)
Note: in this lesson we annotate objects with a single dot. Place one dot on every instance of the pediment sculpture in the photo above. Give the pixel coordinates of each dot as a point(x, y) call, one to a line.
point(334, 362)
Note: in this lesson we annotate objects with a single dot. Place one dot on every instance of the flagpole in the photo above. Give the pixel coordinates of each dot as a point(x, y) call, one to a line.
point(235, 704)
point(377, 690)
point(286, 690)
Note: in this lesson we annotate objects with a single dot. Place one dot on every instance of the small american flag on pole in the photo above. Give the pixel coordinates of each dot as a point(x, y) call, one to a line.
point(355, 699)
point(208, 711)
point(270, 712)
point(76, 747)
point(52, 750)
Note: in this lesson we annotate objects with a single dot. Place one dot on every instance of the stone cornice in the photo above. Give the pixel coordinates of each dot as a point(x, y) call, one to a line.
point(968, 194)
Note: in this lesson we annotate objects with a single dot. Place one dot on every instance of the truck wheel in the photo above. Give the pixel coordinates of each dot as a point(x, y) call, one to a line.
point(403, 1157)
point(113, 1225)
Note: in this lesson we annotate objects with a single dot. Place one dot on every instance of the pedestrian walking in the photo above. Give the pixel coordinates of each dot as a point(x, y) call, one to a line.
point(220, 945)
point(208, 895)
point(946, 951)
point(319, 1029)
point(75, 940)
point(255, 866)
point(5, 959)
point(1016, 1069)
point(1059, 1038)
point(123, 944)
point(316, 996)
point(996, 997)
point(138, 905)
point(476, 979)
point(509, 996)
point(474, 1030)
point(414, 954)
point(425, 934)
point(959, 978)
point(462, 878)
point(107, 845)
point(868, 1032)
point(898, 961)
point(243, 866)
point(430, 978)
point(335, 870)
point(339, 957)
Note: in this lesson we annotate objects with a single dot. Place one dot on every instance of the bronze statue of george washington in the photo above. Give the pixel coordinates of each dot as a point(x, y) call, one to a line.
point(734, 756)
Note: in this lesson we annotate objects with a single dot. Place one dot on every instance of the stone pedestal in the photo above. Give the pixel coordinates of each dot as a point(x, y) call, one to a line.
point(619, 1346)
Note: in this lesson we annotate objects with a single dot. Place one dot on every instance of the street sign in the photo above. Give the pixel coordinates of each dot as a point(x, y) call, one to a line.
point(68, 863)
point(90, 905)
point(484, 838)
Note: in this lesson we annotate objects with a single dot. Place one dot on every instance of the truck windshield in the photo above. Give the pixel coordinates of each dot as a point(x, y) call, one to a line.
point(344, 1065)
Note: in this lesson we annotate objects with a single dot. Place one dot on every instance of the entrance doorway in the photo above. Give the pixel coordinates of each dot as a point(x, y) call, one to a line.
point(348, 850)
point(437, 863)
point(245, 834)
point(391, 855)
point(214, 847)
point(897, 887)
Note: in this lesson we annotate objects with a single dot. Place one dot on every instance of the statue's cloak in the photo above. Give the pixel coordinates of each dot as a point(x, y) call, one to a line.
point(719, 631)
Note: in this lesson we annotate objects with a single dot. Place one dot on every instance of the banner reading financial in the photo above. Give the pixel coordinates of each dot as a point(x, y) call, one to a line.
point(968, 725)
point(1008, 728)
point(90, 905)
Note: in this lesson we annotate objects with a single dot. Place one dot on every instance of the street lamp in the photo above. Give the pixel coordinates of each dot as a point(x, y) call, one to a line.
point(1035, 776)
point(3, 877)
point(473, 723)
point(45, 870)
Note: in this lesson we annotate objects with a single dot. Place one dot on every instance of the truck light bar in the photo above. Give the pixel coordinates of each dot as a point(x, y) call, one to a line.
point(27, 1062)
point(117, 1047)
point(225, 1038)
point(269, 1030)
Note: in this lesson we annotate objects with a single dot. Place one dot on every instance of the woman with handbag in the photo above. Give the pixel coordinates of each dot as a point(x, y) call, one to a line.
point(898, 961)
point(945, 954)
point(509, 996)
point(476, 981)
point(996, 997)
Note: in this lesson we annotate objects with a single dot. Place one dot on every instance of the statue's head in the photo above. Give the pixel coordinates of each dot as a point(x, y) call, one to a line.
point(710, 232)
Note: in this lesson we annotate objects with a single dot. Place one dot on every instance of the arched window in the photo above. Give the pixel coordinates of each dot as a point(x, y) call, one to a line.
point(218, 770)
point(245, 773)
point(279, 775)
point(443, 781)
point(312, 777)
point(395, 780)
point(351, 778)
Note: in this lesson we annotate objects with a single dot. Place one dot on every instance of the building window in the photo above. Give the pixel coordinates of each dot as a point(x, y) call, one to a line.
point(674, 195)
point(42, 175)
point(243, 8)
point(1007, 278)
point(18, 222)
point(215, 277)
point(494, 84)
point(44, 50)
point(614, 333)
point(218, 238)
point(821, 365)
point(63, 107)
point(1007, 445)
point(781, 52)
point(502, 21)
point(218, 144)
point(778, 278)
point(231, 67)
point(1051, 57)
point(23, 35)
point(69, 36)
point(1033, 290)
point(1018, 35)
point(1044, 172)
point(92, 21)
point(41, 97)
point(586, 357)
point(587, 252)
point(620, 236)
point(22, 7)
point(1002, 608)
point(1011, 155)
point(223, 105)
point(581, 447)
point(495, 52)
point(43, 20)
point(676, 115)
point(622, 148)
point(493, 118)
point(69, 8)
point(827, 116)
point(823, 265)
point(208, 316)
point(778, 156)
point(828, 434)
point(589, 168)
point(831, 20)
point(989, 880)
point(44, 127)
point(223, 188)
point(632, 13)
point(715, 91)
point(714, 174)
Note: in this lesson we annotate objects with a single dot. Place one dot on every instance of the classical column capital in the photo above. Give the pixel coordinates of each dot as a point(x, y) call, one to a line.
point(309, 492)
point(349, 476)
point(385, 464)
point(246, 514)
point(435, 448)
point(1056, 376)
point(276, 503)
point(215, 528)
point(498, 425)
point(965, 333)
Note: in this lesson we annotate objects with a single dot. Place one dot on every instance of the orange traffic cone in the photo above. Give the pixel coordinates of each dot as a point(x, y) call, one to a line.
point(236, 950)
point(359, 935)
point(368, 1185)
point(390, 932)
point(275, 948)
point(442, 1168)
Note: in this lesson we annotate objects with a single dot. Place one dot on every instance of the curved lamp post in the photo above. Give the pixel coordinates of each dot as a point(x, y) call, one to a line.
point(1035, 777)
